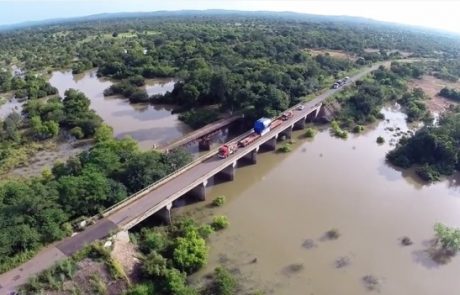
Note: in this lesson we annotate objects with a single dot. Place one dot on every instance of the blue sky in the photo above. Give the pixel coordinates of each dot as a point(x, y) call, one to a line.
point(441, 14)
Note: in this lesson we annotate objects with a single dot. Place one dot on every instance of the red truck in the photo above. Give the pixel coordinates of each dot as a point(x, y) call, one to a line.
point(227, 150)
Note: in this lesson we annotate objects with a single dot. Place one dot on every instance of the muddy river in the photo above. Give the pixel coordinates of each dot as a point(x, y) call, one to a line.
point(146, 123)
point(281, 208)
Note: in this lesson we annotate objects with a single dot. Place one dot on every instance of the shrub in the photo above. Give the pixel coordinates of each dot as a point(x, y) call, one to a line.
point(219, 201)
point(309, 133)
point(449, 237)
point(77, 133)
point(175, 283)
point(224, 282)
point(380, 140)
point(428, 173)
point(337, 131)
point(153, 241)
point(205, 231)
point(358, 129)
point(141, 289)
point(98, 285)
point(154, 265)
point(220, 222)
point(138, 95)
point(190, 252)
point(285, 148)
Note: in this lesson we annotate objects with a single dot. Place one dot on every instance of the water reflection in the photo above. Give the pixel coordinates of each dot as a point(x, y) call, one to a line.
point(146, 123)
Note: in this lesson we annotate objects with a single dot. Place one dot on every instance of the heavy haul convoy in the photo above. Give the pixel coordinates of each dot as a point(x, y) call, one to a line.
point(261, 127)
point(340, 82)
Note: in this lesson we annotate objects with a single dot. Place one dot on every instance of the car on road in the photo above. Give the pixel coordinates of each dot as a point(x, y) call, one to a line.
point(300, 107)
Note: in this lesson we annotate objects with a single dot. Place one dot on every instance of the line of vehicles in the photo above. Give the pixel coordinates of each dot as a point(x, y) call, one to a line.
point(340, 82)
point(261, 127)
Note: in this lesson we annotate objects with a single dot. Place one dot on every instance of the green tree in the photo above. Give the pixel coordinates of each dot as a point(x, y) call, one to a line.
point(190, 252)
point(448, 237)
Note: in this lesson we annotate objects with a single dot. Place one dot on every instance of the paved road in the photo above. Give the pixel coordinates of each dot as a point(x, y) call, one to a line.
point(103, 227)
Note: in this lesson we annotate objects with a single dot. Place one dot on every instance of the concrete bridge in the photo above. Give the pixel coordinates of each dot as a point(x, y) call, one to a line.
point(203, 135)
point(159, 197)
point(194, 181)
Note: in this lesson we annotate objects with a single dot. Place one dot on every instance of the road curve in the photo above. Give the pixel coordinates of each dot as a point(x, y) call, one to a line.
point(12, 279)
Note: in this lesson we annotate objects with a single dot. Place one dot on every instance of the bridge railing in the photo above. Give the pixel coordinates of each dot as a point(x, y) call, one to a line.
point(165, 179)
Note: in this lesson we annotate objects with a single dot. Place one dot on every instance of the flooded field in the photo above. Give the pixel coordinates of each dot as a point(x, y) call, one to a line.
point(146, 123)
point(9, 105)
point(281, 209)
point(47, 157)
point(432, 86)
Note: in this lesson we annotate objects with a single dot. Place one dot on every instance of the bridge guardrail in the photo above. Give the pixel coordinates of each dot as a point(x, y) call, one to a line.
point(165, 179)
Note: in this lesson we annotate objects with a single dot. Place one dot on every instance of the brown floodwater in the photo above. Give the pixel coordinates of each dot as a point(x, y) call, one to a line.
point(147, 124)
point(281, 208)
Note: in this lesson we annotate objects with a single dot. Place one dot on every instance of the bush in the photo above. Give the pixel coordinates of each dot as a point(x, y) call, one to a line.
point(190, 252)
point(285, 148)
point(205, 231)
point(428, 173)
point(448, 237)
point(176, 284)
point(337, 131)
point(77, 133)
point(141, 289)
point(139, 96)
point(309, 133)
point(358, 129)
point(224, 282)
point(154, 265)
point(380, 140)
point(219, 201)
point(220, 222)
point(152, 240)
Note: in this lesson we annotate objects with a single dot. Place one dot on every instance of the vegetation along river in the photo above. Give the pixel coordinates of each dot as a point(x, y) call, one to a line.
point(147, 124)
point(281, 208)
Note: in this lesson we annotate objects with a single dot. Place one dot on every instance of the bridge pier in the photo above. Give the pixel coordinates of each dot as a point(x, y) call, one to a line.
point(271, 143)
point(314, 113)
point(199, 192)
point(204, 145)
point(287, 133)
point(251, 157)
point(299, 125)
point(228, 173)
point(165, 214)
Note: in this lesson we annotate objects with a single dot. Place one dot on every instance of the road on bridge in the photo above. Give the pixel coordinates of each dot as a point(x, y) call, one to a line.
point(9, 281)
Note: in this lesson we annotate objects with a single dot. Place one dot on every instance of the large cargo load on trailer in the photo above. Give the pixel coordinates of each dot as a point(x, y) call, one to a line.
point(261, 125)
point(276, 123)
point(248, 139)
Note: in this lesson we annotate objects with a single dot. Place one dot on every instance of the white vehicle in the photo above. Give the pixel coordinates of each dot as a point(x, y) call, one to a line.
point(300, 107)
